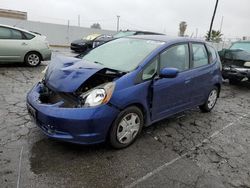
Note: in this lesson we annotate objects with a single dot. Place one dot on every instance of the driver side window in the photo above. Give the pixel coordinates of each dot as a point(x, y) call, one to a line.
point(175, 57)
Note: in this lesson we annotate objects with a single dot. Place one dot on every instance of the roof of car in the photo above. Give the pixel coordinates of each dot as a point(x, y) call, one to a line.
point(242, 41)
point(13, 27)
point(165, 38)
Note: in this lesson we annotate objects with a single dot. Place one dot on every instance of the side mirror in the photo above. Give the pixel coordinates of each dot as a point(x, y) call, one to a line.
point(169, 73)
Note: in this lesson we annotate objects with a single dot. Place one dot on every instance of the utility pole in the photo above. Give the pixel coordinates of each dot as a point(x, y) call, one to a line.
point(118, 22)
point(79, 20)
point(212, 21)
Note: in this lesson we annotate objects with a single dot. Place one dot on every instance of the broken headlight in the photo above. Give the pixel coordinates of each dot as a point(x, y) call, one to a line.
point(97, 96)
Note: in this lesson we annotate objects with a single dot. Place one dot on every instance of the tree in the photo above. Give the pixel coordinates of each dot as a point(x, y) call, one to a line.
point(215, 36)
point(182, 28)
point(95, 26)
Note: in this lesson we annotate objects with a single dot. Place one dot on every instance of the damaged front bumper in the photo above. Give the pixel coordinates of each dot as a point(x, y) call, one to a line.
point(78, 125)
point(235, 72)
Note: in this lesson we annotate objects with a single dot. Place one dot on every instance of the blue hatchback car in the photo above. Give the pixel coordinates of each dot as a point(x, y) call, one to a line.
point(123, 85)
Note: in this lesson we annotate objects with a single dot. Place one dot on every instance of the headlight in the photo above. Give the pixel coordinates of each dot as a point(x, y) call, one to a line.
point(98, 96)
point(226, 68)
point(247, 64)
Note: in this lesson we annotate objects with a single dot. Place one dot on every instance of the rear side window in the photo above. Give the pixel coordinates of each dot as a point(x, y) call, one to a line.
point(12, 34)
point(213, 53)
point(16, 34)
point(5, 33)
point(200, 56)
point(175, 57)
point(28, 36)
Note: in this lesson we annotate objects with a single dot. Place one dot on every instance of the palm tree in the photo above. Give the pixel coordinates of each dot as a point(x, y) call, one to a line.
point(214, 36)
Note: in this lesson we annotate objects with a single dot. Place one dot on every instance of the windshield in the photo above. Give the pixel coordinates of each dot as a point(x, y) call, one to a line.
point(91, 37)
point(241, 45)
point(124, 34)
point(122, 54)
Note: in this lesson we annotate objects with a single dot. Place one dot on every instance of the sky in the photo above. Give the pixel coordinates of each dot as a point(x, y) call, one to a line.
point(159, 15)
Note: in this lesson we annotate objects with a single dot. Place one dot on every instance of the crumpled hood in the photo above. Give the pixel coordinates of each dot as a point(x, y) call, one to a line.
point(235, 54)
point(66, 74)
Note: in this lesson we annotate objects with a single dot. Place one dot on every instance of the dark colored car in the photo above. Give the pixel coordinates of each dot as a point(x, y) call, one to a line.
point(123, 85)
point(130, 33)
point(89, 42)
point(94, 40)
point(236, 62)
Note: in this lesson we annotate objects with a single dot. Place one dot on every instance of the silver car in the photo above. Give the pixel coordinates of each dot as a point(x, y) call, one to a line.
point(18, 45)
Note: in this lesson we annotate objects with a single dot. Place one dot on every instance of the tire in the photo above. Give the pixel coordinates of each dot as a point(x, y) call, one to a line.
point(234, 81)
point(32, 59)
point(211, 100)
point(124, 133)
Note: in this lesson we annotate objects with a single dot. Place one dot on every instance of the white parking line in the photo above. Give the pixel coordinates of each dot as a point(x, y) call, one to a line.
point(19, 168)
point(160, 168)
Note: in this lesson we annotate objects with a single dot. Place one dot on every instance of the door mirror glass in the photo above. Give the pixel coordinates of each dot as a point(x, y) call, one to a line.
point(169, 73)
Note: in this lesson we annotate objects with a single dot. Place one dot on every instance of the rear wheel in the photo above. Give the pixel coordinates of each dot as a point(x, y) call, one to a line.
point(211, 100)
point(32, 59)
point(126, 127)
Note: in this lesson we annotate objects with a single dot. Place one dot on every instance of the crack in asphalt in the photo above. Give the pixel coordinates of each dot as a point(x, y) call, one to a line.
point(162, 167)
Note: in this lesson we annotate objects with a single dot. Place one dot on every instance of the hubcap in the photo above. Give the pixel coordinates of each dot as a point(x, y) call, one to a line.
point(33, 59)
point(212, 99)
point(128, 128)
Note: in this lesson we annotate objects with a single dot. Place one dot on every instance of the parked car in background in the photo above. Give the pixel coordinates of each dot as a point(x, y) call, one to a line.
point(89, 42)
point(123, 85)
point(94, 40)
point(19, 45)
point(236, 62)
point(131, 32)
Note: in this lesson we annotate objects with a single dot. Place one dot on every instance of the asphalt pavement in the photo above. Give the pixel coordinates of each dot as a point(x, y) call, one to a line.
point(191, 149)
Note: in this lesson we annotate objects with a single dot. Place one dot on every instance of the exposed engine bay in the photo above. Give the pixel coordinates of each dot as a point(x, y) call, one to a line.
point(73, 100)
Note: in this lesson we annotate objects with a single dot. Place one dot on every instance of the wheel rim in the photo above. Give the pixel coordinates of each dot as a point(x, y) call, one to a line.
point(33, 59)
point(128, 128)
point(212, 99)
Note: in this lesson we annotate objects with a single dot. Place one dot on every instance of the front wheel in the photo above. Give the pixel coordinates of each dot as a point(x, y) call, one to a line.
point(126, 127)
point(211, 100)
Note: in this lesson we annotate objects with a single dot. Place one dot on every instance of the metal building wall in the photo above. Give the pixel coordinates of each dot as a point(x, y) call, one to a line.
point(55, 33)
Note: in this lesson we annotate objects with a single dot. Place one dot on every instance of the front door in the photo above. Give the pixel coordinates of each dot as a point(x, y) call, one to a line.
point(171, 95)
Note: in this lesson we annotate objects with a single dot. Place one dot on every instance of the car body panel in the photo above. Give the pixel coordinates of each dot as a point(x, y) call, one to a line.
point(158, 98)
point(14, 50)
point(234, 62)
point(66, 74)
point(77, 125)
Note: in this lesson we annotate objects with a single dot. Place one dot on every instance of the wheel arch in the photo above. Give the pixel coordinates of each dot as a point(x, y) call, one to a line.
point(33, 51)
point(218, 85)
point(143, 110)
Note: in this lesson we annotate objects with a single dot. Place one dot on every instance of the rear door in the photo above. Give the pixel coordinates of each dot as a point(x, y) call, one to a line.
point(13, 45)
point(171, 95)
point(202, 72)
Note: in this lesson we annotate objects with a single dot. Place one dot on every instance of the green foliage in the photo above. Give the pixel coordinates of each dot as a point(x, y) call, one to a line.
point(216, 36)
point(95, 26)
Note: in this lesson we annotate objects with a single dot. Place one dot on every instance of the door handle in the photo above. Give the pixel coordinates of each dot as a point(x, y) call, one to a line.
point(187, 80)
point(24, 44)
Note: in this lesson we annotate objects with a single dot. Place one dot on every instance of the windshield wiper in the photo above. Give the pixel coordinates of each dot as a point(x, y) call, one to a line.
point(98, 63)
